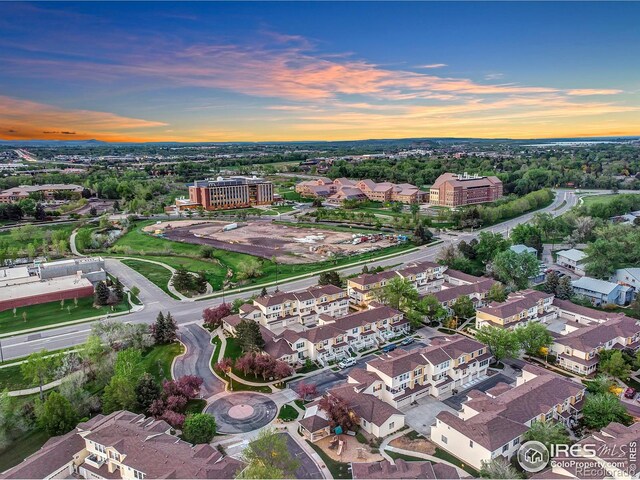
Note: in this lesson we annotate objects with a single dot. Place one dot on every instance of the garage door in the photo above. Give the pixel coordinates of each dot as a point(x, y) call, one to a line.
point(404, 402)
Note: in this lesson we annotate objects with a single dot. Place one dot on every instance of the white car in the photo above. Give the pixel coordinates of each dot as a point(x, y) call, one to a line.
point(347, 362)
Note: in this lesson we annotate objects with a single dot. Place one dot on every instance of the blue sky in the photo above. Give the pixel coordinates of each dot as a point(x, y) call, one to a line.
point(326, 71)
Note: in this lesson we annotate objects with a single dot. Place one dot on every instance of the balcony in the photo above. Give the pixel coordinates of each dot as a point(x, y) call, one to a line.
point(95, 461)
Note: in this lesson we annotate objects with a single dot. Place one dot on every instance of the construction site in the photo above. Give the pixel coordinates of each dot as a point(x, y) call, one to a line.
point(268, 240)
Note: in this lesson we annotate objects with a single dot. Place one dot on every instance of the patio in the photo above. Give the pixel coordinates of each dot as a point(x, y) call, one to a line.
point(352, 450)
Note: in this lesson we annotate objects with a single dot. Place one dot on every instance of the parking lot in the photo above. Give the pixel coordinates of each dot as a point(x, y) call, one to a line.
point(456, 401)
point(420, 417)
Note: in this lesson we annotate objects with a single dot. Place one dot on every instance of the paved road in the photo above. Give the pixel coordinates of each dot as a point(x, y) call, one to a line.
point(307, 468)
point(196, 360)
point(156, 300)
point(456, 400)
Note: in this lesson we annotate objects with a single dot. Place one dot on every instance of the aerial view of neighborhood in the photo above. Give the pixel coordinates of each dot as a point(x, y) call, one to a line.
point(319, 240)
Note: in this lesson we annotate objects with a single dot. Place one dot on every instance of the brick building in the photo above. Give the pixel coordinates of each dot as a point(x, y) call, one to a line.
point(453, 190)
point(233, 192)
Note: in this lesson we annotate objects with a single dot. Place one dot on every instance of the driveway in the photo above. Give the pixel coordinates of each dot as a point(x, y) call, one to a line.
point(455, 401)
point(196, 360)
point(307, 468)
point(422, 416)
point(323, 381)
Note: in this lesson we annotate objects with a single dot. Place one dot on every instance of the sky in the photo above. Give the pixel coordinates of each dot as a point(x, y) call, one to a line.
point(293, 71)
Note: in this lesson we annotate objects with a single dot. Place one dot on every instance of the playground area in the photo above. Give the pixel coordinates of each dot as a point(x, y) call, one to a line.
point(267, 240)
point(347, 449)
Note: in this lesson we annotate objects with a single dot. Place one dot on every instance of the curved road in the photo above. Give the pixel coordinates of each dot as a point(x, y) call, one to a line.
point(156, 300)
point(196, 360)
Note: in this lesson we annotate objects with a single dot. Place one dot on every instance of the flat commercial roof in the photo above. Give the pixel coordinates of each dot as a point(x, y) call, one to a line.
point(37, 287)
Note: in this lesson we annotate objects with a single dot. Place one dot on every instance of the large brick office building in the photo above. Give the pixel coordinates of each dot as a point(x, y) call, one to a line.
point(456, 190)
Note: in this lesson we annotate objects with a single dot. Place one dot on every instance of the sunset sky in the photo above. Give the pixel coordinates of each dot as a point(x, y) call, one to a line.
point(318, 71)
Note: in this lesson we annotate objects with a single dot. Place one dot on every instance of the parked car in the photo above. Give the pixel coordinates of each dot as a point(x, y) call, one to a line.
point(389, 348)
point(630, 393)
point(347, 362)
point(407, 341)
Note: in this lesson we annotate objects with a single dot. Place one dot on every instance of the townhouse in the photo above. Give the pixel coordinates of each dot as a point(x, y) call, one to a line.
point(492, 424)
point(124, 445)
point(333, 338)
point(476, 291)
point(283, 309)
point(401, 377)
point(426, 277)
point(376, 417)
point(572, 259)
point(403, 470)
point(341, 189)
point(518, 309)
point(615, 456)
point(578, 348)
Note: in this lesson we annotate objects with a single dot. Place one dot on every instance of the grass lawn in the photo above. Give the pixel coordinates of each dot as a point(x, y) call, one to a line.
point(300, 403)
point(48, 314)
point(451, 459)
point(408, 458)
point(282, 208)
point(11, 378)
point(218, 344)
point(158, 275)
point(21, 448)
point(157, 361)
point(590, 200)
point(337, 469)
point(195, 405)
point(287, 413)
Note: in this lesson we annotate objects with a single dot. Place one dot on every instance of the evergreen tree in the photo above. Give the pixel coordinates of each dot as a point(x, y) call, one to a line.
point(147, 391)
point(39, 213)
point(158, 328)
point(170, 328)
point(200, 283)
point(264, 292)
point(551, 282)
point(102, 294)
point(330, 278)
point(118, 289)
point(249, 336)
point(182, 280)
point(564, 291)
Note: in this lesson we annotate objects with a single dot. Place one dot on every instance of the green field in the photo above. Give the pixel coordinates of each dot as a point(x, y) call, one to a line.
point(21, 448)
point(158, 360)
point(157, 274)
point(11, 378)
point(48, 314)
point(287, 413)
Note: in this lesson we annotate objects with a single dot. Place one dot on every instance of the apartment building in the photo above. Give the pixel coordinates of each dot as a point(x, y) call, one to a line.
point(601, 292)
point(476, 291)
point(616, 456)
point(48, 192)
point(286, 308)
point(492, 424)
point(578, 349)
point(572, 259)
point(377, 418)
point(401, 377)
point(456, 190)
point(333, 338)
point(341, 189)
point(402, 469)
point(629, 277)
point(232, 192)
point(124, 445)
point(426, 277)
point(518, 309)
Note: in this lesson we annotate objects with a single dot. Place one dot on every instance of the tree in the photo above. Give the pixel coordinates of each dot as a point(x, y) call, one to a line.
point(548, 433)
point(306, 390)
point(515, 269)
point(532, 337)
point(463, 307)
point(249, 269)
point(182, 280)
point(101, 294)
point(601, 383)
point(39, 213)
point(263, 292)
point(497, 293)
point(422, 235)
point(551, 282)
point(200, 282)
point(11, 421)
point(613, 363)
point(431, 308)
point(120, 393)
point(268, 456)
point(501, 342)
point(118, 289)
point(57, 416)
point(601, 409)
point(527, 234)
point(339, 412)
point(564, 291)
point(213, 316)
point(249, 336)
point(199, 428)
point(147, 391)
point(317, 202)
point(164, 330)
point(330, 278)
point(93, 212)
point(498, 468)
point(398, 293)
point(39, 368)
point(489, 245)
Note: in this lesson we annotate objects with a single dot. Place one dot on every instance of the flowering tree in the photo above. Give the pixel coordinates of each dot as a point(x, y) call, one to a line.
point(306, 390)
point(213, 316)
point(175, 396)
point(282, 369)
point(224, 365)
point(246, 363)
point(339, 412)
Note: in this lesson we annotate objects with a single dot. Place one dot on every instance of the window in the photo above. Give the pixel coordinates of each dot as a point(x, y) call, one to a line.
point(516, 442)
point(444, 439)
point(505, 448)
point(138, 474)
point(391, 424)
point(300, 345)
point(470, 443)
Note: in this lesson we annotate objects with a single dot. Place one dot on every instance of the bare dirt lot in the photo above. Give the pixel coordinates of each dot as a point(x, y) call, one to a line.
point(266, 239)
point(421, 445)
point(352, 450)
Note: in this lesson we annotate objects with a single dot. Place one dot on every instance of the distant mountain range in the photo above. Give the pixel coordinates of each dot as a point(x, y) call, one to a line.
point(382, 141)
